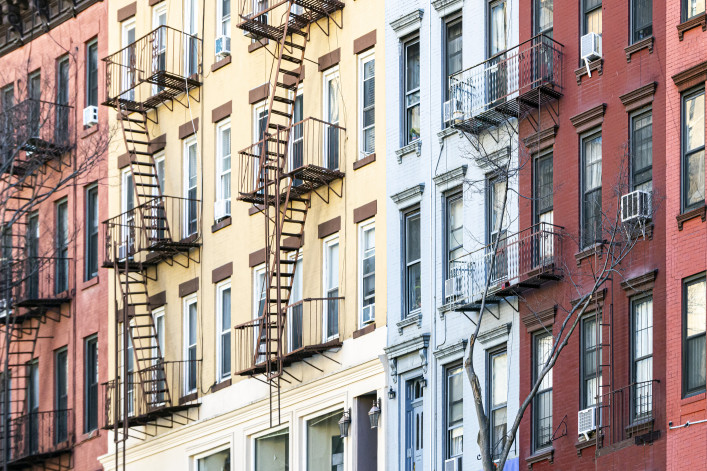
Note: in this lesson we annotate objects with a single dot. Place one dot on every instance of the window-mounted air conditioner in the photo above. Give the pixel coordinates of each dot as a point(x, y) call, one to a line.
point(586, 422)
point(590, 49)
point(223, 46)
point(635, 206)
point(90, 115)
point(222, 209)
point(368, 314)
point(453, 287)
point(453, 464)
point(453, 112)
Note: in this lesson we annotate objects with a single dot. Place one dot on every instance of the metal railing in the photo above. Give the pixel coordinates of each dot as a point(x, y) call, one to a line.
point(164, 222)
point(519, 256)
point(153, 391)
point(248, 9)
point(631, 411)
point(310, 325)
point(312, 144)
point(509, 74)
point(163, 59)
point(38, 433)
point(37, 280)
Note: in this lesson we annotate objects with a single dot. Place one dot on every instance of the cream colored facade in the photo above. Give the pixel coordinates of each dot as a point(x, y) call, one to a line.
point(235, 415)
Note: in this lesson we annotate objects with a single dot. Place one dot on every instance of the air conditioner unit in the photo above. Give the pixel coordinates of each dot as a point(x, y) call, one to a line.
point(635, 206)
point(90, 115)
point(590, 49)
point(122, 251)
point(453, 287)
point(222, 209)
point(453, 111)
point(223, 46)
point(587, 422)
point(453, 464)
point(368, 314)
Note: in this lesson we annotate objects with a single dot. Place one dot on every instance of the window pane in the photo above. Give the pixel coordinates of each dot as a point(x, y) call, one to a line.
point(694, 122)
point(455, 228)
point(642, 19)
point(696, 363)
point(499, 387)
point(695, 184)
point(412, 67)
point(412, 243)
point(272, 452)
point(498, 27)
point(499, 430)
point(543, 15)
point(643, 329)
point(414, 288)
point(592, 163)
point(454, 48)
point(696, 309)
point(642, 148)
point(325, 447)
point(695, 7)
point(543, 348)
point(455, 411)
point(220, 461)
point(544, 185)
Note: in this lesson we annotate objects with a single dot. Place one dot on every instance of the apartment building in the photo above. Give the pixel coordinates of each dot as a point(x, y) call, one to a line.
point(446, 187)
point(247, 235)
point(53, 298)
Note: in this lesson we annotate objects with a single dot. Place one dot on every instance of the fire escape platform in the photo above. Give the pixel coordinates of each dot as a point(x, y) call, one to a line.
point(314, 10)
point(39, 459)
point(292, 357)
point(57, 301)
point(154, 415)
point(307, 178)
point(173, 85)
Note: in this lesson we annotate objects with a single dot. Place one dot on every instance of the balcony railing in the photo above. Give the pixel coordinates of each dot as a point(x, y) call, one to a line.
point(311, 326)
point(157, 67)
point(255, 15)
point(163, 224)
point(630, 412)
point(522, 259)
point(38, 281)
point(502, 85)
point(38, 435)
point(165, 388)
point(314, 157)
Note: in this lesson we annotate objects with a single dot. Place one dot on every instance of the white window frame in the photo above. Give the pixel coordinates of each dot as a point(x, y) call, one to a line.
point(298, 266)
point(363, 228)
point(220, 331)
point(319, 413)
point(188, 143)
point(187, 302)
point(220, 19)
point(157, 315)
point(126, 26)
point(329, 242)
point(157, 11)
point(258, 109)
point(126, 219)
point(293, 140)
point(363, 59)
point(160, 158)
point(254, 437)
point(220, 156)
point(329, 76)
point(212, 451)
point(257, 293)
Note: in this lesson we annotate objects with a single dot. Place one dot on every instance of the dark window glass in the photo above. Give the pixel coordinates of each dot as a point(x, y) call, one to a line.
point(591, 361)
point(642, 151)
point(454, 229)
point(91, 232)
point(544, 188)
point(691, 8)
point(413, 280)
point(92, 74)
point(543, 17)
point(61, 129)
point(591, 190)
point(412, 91)
point(641, 19)
point(91, 384)
point(34, 89)
point(591, 16)
point(62, 247)
point(542, 402)
point(693, 150)
point(694, 318)
point(61, 400)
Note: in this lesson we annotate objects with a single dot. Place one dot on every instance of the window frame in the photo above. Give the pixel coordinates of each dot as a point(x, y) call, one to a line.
point(536, 20)
point(586, 12)
point(490, 210)
point(363, 228)
point(222, 333)
point(448, 22)
point(91, 231)
point(61, 245)
point(490, 5)
point(186, 188)
point(415, 39)
point(222, 20)
point(536, 336)
point(684, 11)
point(632, 17)
point(221, 127)
point(633, 118)
point(330, 76)
point(490, 356)
point(91, 45)
point(271, 433)
point(327, 244)
point(584, 377)
point(187, 302)
point(684, 155)
point(259, 295)
point(591, 135)
point(212, 451)
point(88, 424)
point(453, 196)
point(634, 301)
point(363, 59)
point(695, 279)
point(408, 264)
point(542, 156)
point(451, 370)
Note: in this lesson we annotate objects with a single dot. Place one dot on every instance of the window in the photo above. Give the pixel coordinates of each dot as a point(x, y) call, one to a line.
point(190, 165)
point(544, 189)
point(542, 402)
point(412, 265)
point(642, 357)
point(694, 319)
point(129, 368)
point(259, 291)
point(7, 97)
point(367, 270)
point(158, 317)
point(325, 447)
point(159, 61)
point(454, 230)
point(91, 255)
point(92, 73)
point(543, 17)
point(498, 399)
point(34, 92)
point(272, 451)
point(33, 405)
point(591, 360)
point(90, 398)
point(367, 97)
point(223, 322)
point(129, 53)
point(331, 288)
point(223, 168)
point(191, 28)
point(295, 311)
point(641, 19)
point(223, 18)
point(497, 27)
point(591, 190)
point(61, 282)
point(454, 399)
point(591, 14)
point(693, 150)
point(219, 461)
point(411, 80)
point(61, 395)
point(691, 8)
point(32, 252)
point(642, 151)
point(497, 215)
point(190, 315)
point(297, 147)
point(453, 51)
point(331, 116)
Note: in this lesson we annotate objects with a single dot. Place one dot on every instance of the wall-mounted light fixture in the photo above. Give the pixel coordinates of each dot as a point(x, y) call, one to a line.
point(345, 423)
point(375, 413)
point(391, 393)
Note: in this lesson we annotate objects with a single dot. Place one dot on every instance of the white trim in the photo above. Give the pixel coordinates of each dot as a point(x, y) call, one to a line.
point(293, 294)
point(254, 437)
point(220, 157)
point(329, 76)
point(363, 59)
point(328, 243)
point(212, 451)
point(157, 11)
point(369, 224)
point(220, 20)
point(187, 302)
point(257, 294)
point(188, 143)
point(126, 26)
point(160, 158)
point(220, 331)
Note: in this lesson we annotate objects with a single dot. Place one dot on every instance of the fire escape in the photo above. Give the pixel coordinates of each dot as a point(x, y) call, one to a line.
point(148, 392)
point(35, 287)
point(292, 160)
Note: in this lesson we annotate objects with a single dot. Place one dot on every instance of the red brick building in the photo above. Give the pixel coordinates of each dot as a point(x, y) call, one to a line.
point(604, 139)
point(54, 316)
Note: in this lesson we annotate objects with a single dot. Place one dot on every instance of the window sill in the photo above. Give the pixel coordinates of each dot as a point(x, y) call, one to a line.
point(222, 385)
point(596, 249)
point(411, 319)
point(89, 131)
point(694, 22)
point(88, 283)
point(640, 427)
point(221, 224)
point(415, 147)
point(367, 329)
point(369, 159)
point(219, 64)
point(254, 46)
point(188, 398)
point(585, 444)
point(639, 46)
point(695, 397)
point(700, 212)
point(547, 454)
point(594, 66)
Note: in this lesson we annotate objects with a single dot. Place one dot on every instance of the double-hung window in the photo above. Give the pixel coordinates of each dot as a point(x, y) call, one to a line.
point(223, 17)
point(331, 114)
point(61, 392)
point(90, 397)
point(454, 233)
point(190, 323)
point(694, 292)
point(223, 323)
point(412, 262)
point(367, 270)
point(61, 281)
point(61, 118)
point(411, 82)
point(642, 151)
point(455, 411)
point(497, 222)
point(641, 19)
point(542, 402)
point(498, 399)
point(543, 189)
point(367, 94)
point(642, 357)
point(591, 190)
point(91, 250)
point(591, 359)
point(223, 168)
point(543, 20)
point(591, 16)
point(190, 187)
point(693, 150)
point(331, 288)
point(692, 8)
point(92, 73)
point(452, 51)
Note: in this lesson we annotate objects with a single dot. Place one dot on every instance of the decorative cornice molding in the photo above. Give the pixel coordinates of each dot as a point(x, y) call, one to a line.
point(409, 196)
point(597, 298)
point(594, 66)
point(639, 97)
point(493, 336)
point(694, 22)
point(451, 350)
point(536, 320)
point(646, 43)
point(415, 147)
point(689, 78)
point(453, 177)
point(412, 319)
point(498, 158)
point(640, 284)
point(542, 139)
point(445, 7)
point(408, 23)
point(589, 119)
point(446, 132)
point(409, 346)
